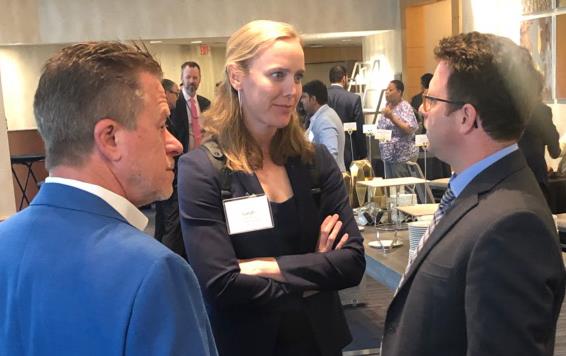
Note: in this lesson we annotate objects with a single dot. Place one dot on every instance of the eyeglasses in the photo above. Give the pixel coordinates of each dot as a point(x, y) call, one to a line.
point(428, 102)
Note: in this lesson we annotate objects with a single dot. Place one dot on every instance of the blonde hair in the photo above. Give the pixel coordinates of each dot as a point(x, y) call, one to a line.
point(224, 122)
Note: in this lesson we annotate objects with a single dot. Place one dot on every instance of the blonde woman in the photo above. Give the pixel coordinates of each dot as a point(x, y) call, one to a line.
point(271, 261)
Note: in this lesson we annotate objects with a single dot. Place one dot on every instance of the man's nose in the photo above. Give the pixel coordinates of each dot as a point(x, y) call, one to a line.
point(172, 146)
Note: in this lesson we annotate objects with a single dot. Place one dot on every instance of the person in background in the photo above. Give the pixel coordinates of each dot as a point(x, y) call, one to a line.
point(417, 101)
point(488, 277)
point(187, 127)
point(167, 227)
point(187, 116)
point(270, 262)
point(325, 126)
point(349, 108)
point(172, 92)
point(77, 274)
point(397, 116)
point(540, 134)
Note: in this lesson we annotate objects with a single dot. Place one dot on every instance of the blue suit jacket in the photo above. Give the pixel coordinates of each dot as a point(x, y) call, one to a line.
point(77, 279)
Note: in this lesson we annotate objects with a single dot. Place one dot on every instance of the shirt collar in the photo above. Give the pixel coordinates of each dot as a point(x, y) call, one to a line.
point(460, 181)
point(122, 205)
point(318, 112)
point(186, 95)
point(336, 85)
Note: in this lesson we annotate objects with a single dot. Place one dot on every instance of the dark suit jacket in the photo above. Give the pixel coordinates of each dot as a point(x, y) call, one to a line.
point(180, 120)
point(490, 279)
point(245, 310)
point(349, 107)
point(539, 134)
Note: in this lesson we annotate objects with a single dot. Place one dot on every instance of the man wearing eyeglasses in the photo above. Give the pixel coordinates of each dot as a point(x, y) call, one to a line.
point(172, 92)
point(488, 277)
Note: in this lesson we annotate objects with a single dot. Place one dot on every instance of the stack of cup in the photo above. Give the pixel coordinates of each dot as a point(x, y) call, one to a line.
point(416, 232)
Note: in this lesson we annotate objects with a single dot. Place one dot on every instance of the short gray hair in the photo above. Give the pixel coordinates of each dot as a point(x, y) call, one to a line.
point(82, 84)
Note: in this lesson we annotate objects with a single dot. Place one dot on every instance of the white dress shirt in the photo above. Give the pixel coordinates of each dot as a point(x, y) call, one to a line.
point(122, 205)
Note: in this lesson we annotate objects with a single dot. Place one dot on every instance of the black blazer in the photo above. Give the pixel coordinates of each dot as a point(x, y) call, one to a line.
point(349, 107)
point(245, 310)
point(539, 134)
point(490, 280)
point(180, 120)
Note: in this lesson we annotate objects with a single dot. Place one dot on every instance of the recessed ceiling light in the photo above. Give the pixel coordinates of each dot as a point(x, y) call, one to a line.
point(196, 42)
point(154, 42)
point(347, 40)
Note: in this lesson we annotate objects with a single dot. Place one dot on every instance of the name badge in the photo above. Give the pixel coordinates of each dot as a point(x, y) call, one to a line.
point(382, 135)
point(369, 129)
point(350, 126)
point(249, 213)
point(421, 140)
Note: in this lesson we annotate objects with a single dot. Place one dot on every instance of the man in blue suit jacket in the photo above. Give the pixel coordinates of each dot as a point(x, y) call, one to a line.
point(77, 274)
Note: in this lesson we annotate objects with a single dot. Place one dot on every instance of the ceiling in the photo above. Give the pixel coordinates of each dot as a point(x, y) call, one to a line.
point(333, 39)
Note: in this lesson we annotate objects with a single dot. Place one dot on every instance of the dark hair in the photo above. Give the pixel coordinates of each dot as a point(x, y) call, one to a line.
point(82, 84)
point(336, 73)
point(317, 89)
point(168, 84)
point(399, 85)
point(425, 80)
point(190, 64)
point(494, 75)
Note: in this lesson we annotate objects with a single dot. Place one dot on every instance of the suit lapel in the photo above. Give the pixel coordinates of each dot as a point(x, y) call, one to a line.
point(460, 208)
point(246, 184)
point(467, 200)
point(307, 211)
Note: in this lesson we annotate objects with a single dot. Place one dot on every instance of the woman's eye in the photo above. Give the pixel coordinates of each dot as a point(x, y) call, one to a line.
point(278, 75)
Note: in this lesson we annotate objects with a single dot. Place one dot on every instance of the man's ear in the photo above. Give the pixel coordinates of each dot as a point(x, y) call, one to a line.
point(469, 119)
point(235, 76)
point(106, 138)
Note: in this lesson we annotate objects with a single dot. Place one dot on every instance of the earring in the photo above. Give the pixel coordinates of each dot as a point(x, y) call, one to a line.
point(240, 103)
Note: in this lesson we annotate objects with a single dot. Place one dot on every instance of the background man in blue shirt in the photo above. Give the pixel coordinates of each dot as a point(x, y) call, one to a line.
point(325, 126)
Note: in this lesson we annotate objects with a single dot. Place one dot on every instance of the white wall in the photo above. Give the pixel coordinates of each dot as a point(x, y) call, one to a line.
point(20, 68)
point(172, 56)
point(7, 206)
point(502, 17)
point(385, 47)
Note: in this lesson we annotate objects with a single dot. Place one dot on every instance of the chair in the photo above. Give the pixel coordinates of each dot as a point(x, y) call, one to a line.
point(424, 194)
